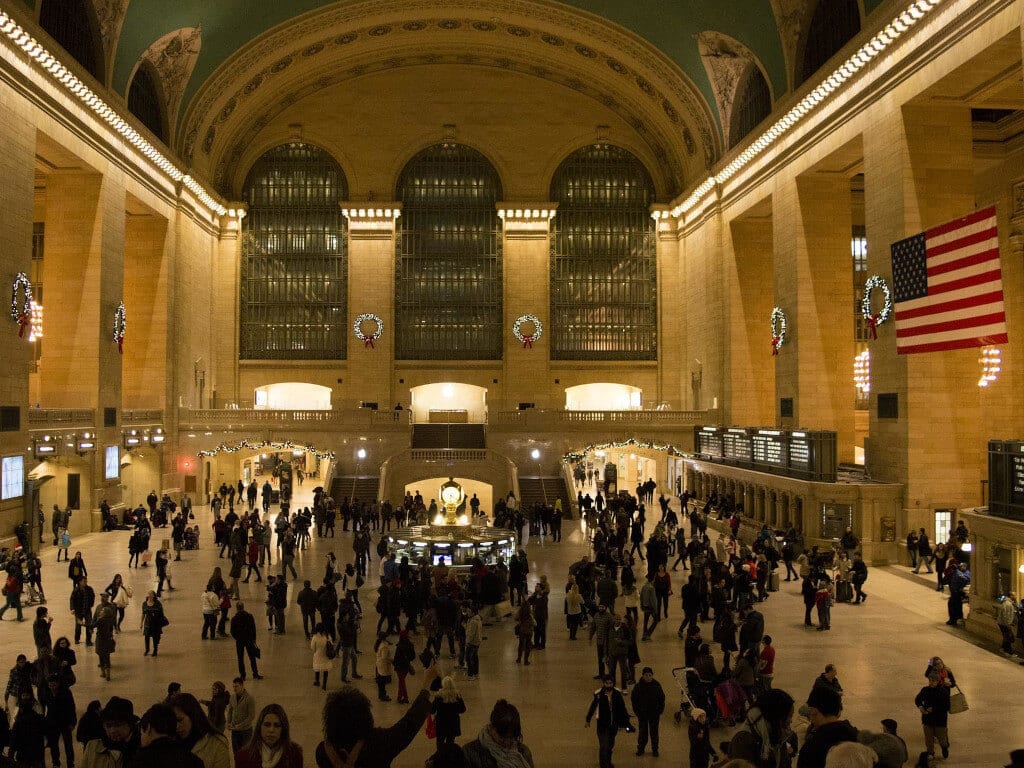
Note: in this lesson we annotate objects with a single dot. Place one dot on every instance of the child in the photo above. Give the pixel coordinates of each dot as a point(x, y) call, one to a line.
point(823, 602)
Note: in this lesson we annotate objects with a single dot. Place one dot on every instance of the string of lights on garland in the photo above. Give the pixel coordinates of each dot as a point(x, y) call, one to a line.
point(357, 326)
point(259, 445)
point(575, 456)
point(21, 315)
point(875, 320)
point(120, 324)
point(778, 323)
point(527, 339)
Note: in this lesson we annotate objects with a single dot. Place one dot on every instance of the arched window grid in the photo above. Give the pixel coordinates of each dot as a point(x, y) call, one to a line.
point(294, 292)
point(448, 265)
point(833, 25)
point(144, 102)
point(604, 260)
point(753, 104)
point(71, 24)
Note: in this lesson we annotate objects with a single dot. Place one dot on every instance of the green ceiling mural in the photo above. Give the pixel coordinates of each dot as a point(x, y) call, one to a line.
point(670, 25)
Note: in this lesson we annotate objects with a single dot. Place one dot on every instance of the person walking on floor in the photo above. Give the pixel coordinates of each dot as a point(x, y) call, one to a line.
point(324, 652)
point(243, 630)
point(610, 707)
point(240, 714)
point(933, 701)
point(648, 698)
point(448, 709)
point(1006, 618)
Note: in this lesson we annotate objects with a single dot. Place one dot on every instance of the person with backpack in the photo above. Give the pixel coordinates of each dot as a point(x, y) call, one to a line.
point(12, 591)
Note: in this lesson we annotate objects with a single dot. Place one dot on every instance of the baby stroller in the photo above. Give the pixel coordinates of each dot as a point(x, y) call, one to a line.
point(695, 694)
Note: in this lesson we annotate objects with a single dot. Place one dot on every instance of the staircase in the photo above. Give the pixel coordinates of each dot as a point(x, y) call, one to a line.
point(362, 488)
point(448, 436)
point(544, 490)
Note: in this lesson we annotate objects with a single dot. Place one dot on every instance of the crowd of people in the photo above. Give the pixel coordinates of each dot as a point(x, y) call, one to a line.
point(425, 611)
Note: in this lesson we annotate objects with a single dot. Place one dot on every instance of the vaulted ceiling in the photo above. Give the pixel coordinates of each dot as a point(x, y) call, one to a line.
point(670, 68)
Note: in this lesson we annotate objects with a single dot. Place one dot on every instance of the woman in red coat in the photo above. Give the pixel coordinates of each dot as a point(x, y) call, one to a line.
point(271, 745)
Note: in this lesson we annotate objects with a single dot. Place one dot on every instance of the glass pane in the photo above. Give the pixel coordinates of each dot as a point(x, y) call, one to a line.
point(448, 270)
point(294, 294)
point(603, 263)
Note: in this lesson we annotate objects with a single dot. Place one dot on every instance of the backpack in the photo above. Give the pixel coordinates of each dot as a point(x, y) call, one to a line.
point(65, 539)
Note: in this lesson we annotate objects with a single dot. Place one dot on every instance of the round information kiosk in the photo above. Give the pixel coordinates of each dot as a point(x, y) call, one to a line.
point(451, 536)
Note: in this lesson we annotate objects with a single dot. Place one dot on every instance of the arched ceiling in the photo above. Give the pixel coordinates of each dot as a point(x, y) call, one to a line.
point(670, 26)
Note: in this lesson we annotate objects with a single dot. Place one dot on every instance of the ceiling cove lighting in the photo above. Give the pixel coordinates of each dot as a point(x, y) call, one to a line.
point(902, 23)
point(30, 46)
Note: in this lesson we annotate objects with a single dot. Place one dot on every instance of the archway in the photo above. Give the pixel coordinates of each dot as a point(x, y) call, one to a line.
point(292, 396)
point(449, 403)
point(429, 490)
point(603, 396)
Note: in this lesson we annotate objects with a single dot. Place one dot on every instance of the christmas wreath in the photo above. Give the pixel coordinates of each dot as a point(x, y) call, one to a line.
point(778, 329)
point(120, 324)
point(22, 314)
point(527, 339)
point(357, 326)
point(876, 319)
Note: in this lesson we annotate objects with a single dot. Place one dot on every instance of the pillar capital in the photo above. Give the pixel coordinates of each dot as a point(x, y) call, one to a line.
point(231, 220)
point(371, 221)
point(665, 222)
point(527, 220)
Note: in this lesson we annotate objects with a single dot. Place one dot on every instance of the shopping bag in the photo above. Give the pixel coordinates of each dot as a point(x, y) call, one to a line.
point(957, 702)
point(431, 727)
point(146, 557)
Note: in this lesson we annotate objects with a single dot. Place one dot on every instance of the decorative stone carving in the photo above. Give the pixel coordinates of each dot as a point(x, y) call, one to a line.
point(110, 16)
point(726, 61)
point(791, 18)
point(174, 57)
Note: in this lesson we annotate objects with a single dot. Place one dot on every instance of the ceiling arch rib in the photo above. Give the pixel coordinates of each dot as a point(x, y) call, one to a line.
point(336, 37)
point(728, 63)
point(173, 57)
point(665, 150)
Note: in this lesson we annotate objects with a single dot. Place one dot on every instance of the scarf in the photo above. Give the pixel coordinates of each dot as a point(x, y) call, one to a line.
point(271, 757)
point(504, 757)
point(759, 726)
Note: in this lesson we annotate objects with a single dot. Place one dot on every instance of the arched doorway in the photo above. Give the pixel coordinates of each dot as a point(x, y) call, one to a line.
point(603, 396)
point(449, 403)
point(292, 396)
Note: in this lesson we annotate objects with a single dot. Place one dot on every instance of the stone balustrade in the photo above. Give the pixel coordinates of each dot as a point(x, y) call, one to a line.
point(63, 418)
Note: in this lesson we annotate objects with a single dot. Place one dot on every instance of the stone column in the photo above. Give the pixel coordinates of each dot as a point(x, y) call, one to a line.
point(146, 302)
point(750, 373)
point(223, 373)
point(84, 277)
point(526, 369)
point(371, 289)
point(918, 173)
point(673, 378)
point(814, 287)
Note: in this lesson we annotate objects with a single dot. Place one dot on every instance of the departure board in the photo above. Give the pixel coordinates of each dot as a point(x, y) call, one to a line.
point(800, 454)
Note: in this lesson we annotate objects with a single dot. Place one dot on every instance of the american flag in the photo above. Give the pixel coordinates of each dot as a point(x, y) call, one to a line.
point(948, 287)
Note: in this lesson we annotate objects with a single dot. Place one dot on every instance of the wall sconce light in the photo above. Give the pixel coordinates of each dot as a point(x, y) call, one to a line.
point(991, 360)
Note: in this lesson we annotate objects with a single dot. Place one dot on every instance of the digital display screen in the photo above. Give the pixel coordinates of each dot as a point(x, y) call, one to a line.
point(113, 462)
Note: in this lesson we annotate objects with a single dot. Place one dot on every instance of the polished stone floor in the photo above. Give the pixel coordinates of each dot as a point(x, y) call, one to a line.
point(881, 649)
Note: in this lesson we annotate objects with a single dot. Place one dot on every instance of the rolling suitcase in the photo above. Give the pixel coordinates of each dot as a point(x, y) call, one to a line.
point(773, 582)
point(844, 591)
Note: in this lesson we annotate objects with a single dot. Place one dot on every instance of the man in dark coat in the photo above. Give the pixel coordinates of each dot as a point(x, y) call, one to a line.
point(243, 629)
point(61, 717)
point(648, 699)
point(83, 598)
point(160, 748)
point(825, 705)
point(612, 716)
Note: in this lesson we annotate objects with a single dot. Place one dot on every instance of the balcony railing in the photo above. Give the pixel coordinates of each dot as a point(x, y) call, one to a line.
point(49, 418)
point(142, 416)
point(537, 419)
point(448, 454)
point(305, 419)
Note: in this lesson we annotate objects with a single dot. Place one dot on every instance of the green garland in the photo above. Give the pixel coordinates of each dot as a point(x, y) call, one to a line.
point(258, 445)
point(574, 456)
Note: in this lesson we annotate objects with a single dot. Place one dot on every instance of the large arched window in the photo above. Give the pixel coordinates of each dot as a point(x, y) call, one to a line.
point(144, 102)
point(603, 264)
point(753, 104)
point(834, 24)
point(71, 24)
point(448, 301)
point(294, 257)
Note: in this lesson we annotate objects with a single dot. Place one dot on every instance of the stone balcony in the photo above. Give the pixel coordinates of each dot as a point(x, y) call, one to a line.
point(542, 421)
point(307, 420)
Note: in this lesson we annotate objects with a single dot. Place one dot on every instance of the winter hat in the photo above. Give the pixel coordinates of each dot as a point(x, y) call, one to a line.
point(118, 710)
point(646, 670)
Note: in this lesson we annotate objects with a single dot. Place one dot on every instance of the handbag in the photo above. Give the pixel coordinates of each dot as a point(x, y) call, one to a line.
point(957, 702)
point(257, 652)
point(431, 729)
